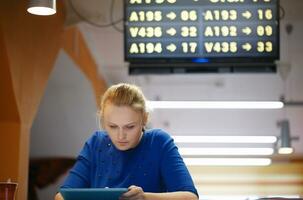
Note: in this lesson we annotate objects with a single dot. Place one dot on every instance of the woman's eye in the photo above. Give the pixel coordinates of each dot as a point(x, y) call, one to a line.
point(112, 126)
point(130, 127)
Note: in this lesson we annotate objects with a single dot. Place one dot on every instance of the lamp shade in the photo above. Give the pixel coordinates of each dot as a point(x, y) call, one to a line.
point(285, 139)
point(42, 7)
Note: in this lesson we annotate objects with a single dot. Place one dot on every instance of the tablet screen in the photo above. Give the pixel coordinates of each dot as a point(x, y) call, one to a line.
point(92, 193)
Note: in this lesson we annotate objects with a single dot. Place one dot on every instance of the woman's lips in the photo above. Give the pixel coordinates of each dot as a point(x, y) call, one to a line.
point(122, 143)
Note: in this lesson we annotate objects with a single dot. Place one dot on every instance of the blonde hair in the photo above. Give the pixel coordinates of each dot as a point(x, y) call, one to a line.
point(124, 94)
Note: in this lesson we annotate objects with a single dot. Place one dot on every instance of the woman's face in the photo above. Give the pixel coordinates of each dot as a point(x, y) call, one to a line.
point(123, 125)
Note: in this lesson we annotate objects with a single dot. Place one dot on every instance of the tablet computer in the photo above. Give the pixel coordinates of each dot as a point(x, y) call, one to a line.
point(92, 193)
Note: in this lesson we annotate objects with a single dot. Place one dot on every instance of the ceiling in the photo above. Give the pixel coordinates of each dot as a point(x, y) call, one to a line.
point(106, 45)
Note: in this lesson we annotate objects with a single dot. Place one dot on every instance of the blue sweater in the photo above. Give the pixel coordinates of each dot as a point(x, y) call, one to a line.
point(154, 164)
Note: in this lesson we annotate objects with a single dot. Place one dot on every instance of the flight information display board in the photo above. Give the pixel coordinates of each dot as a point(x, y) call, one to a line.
point(211, 30)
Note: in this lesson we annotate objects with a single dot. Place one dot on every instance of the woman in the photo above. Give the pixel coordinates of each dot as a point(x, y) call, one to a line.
point(147, 162)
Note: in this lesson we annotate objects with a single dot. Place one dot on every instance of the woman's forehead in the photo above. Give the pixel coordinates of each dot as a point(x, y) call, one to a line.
point(114, 113)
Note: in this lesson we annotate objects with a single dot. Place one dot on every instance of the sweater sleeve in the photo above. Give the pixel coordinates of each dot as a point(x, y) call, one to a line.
point(79, 175)
point(174, 172)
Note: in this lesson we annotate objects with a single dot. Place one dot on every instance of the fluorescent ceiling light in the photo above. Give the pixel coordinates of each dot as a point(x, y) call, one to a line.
point(225, 139)
point(215, 104)
point(225, 151)
point(228, 197)
point(227, 161)
point(243, 197)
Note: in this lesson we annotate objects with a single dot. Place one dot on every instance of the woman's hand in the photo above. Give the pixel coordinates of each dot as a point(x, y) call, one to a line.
point(133, 193)
point(58, 196)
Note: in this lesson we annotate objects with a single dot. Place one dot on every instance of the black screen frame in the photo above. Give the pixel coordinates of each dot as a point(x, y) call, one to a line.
point(191, 60)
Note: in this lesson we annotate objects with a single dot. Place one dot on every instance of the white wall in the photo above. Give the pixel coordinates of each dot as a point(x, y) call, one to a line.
point(107, 47)
point(66, 116)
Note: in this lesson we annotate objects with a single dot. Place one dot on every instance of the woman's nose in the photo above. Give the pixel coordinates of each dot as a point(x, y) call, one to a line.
point(121, 134)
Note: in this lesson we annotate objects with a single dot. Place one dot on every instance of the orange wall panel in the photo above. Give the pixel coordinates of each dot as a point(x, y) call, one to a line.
point(9, 150)
point(29, 46)
point(8, 105)
point(9, 120)
point(75, 46)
